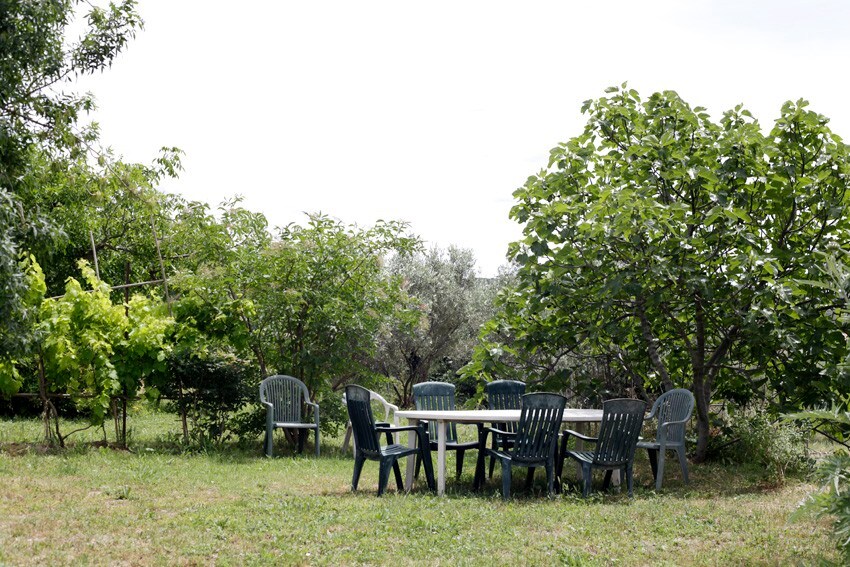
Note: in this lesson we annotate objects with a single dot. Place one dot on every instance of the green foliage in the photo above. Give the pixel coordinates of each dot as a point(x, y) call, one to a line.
point(434, 335)
point(39, 128)
point(684, 251)
point(776, 447)
point(29, 298)
point(94, 349)
point(37, 57)
point(15, 279)
point(321, 298)
point(215, 387)
point(833, 500)
point(307, 303)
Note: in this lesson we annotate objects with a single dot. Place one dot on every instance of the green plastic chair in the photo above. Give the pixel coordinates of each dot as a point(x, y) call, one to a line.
point(367, 444)
point(673, 410)
point(438, 396)
point(388, 408)
point(622, 420)
point(535, 441)
point(284, 397)
point(501, 395)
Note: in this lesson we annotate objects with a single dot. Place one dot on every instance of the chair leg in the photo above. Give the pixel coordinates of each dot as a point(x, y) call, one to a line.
point(550, 479)
point(683, 462)
point(418, 464)
point(397, 470)
point(429, 467)
point(459, 462)
point(660, 476)
point(478, 480)
point(506, 479)
point(424, 455)
point(587, 478)
point(358, 467)
point(492, 457)
point(630, 478)
point(317, 441)
point(606, 483)
point(269, 442)
point(653, 462)
point(384, 475)
point(559, 459)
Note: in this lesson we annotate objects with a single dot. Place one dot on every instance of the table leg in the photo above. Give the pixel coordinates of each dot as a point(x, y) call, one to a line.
point(441, 458)
point(411, 460)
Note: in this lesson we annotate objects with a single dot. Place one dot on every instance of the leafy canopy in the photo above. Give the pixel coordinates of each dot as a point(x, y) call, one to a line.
point(687, 252)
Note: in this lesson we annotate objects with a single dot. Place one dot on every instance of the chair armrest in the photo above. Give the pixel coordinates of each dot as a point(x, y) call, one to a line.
point(663, 428)
point(501, 432)
point(569, 432)
point(677, 422)
point(392, 428)
point(315, 411)
point(268, 405)
point(483, 431)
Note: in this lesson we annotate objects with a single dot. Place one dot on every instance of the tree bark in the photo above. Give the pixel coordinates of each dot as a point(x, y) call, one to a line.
point(652, 344)
point(702, 394)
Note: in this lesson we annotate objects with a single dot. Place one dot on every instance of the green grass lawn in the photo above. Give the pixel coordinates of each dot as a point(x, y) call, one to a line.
point(156, 505)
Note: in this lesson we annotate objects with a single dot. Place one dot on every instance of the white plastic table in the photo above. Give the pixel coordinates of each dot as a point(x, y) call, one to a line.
point(578, 416)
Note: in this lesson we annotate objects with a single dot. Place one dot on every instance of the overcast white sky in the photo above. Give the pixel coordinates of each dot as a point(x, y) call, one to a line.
point(434, 113)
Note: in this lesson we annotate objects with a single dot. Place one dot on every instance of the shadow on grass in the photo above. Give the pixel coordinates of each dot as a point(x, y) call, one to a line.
point(709, 480)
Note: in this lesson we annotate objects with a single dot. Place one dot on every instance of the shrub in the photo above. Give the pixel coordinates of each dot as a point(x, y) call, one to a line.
point(750, 436)
point(834, 472)
point(215, 387)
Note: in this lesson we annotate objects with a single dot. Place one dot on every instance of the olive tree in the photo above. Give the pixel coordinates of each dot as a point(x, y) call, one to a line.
point(446, 305)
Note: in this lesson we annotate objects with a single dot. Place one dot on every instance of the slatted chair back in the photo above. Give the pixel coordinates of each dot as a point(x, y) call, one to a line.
point(286, 394)
point(539, 422)
point(358, 402)
point(673, 405)
point(622, 420)
point(436, 396)
point(505, 394)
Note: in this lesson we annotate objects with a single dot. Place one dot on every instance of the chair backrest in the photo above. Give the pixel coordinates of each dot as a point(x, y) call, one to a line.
point(622, 420)
point(387, 407)
point(286, 394)
point(539, 422)
point(674, 405)
point(358, 403)
point(505, 394)
point(436, 396)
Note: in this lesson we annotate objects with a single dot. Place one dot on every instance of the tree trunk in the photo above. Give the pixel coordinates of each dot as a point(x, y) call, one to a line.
point(652, 344)
point(702, 393)
point(42, 394)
